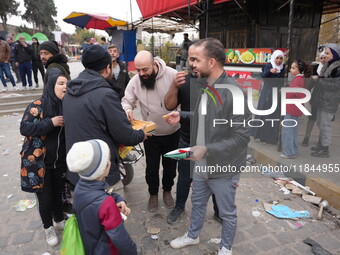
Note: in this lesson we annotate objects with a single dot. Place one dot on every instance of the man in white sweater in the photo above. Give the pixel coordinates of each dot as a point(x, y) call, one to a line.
point(149, 88)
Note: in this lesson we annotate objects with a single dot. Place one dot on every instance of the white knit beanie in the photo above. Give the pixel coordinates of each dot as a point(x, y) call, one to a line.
point(89, 159)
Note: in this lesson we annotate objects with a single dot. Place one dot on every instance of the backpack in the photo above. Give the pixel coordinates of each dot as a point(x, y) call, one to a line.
point(72, 242)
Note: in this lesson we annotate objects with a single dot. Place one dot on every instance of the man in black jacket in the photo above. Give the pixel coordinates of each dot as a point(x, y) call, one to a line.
point(54, 61)
point(219, 151)
point(120, 77)
point(36, 61)
point(23, 60)
point(92, 110)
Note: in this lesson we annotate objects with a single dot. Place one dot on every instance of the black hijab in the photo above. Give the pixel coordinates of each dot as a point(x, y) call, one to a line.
point(52, 104)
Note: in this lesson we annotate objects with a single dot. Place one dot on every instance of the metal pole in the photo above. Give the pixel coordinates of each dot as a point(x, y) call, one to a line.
point(131, 14)
point(289, 39)
point(152, 39)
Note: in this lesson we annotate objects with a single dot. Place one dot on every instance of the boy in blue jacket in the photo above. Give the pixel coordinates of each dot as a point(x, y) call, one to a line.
point(98, 213)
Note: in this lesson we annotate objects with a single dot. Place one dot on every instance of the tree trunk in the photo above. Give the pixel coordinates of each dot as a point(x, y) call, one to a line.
point(4, 22)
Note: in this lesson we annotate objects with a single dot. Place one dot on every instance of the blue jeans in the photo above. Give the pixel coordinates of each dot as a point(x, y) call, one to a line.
point(5, 68)
point(184, 180)
point(289, 137)
point(224, 190)
point(25, 68)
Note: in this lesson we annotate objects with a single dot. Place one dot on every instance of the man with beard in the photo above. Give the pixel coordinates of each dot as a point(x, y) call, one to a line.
point(36, 61)
point(149, 88)
point(55, 62)
point(92, 110)
point(120, 77)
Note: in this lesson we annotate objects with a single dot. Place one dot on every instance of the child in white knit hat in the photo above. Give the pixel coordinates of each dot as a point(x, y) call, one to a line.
point(98, 213)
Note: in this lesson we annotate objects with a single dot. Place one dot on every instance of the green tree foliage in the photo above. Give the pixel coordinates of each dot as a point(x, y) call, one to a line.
point(7, 9)
point(81, 34)
point(24, 29)
point(40, 13)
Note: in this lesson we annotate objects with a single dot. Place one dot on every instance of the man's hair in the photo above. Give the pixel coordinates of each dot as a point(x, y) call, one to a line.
point(1, 38)
point(186, 34)
point(103, 39)
point(87, 39)
point(213, 48)
point(112, 46)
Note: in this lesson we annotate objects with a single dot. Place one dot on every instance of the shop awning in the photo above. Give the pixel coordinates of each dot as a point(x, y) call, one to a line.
point(152, 8)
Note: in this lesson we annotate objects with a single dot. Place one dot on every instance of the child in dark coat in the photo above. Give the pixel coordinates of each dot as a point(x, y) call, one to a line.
point(98, 213)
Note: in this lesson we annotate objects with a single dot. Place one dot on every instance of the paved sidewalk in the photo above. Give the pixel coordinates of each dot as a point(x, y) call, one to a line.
point(22, 232)
point(322, 175)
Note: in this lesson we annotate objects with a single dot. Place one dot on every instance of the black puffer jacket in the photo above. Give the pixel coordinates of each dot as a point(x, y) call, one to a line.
point(92, 110)
point(226, 145)
point(328, 97)
point(23, 54)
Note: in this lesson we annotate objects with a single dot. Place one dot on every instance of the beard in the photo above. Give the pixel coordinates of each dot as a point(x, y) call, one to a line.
point(148, 81)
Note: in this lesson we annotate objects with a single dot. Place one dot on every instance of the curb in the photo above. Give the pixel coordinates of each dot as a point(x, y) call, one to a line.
point(323, 188)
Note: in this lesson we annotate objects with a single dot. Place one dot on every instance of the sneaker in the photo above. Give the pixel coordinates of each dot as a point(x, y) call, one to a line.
point(4, 90)
point(36, 85)
point(316, 148)
point(30, 87)
point(18, 81)
point(16, 88)
point(51, 236)
point(174, 215)
point(184, 241)
point(24, 88)
point(224, 251)
point(168, 200)
point(59, 225)
point(287, 157)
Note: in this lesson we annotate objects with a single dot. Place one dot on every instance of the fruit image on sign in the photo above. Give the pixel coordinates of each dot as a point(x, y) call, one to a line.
point(247, 57)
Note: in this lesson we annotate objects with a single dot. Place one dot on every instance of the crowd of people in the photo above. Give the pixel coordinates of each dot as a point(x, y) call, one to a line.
point(325, 88)
point(64, 149)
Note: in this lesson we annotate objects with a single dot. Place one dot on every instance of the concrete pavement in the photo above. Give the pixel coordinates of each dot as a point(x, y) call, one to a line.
point(322, 175)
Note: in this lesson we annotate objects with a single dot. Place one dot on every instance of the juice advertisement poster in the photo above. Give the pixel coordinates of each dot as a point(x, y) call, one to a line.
point(249, 55)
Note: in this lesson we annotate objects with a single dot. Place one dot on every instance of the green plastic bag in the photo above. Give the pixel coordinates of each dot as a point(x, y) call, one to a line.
point(72, 243)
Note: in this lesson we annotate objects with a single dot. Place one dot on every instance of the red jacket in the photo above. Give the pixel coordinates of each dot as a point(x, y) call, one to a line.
point(297, 82)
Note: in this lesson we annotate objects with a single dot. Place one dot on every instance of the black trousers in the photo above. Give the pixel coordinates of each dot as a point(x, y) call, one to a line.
point(35, 66)
point(155, 147)
point(50, 201)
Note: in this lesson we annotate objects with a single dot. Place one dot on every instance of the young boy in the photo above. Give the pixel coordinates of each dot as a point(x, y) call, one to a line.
point(98, 213)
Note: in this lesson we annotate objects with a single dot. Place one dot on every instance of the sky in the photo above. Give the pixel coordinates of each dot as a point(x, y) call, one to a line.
point(119, 9)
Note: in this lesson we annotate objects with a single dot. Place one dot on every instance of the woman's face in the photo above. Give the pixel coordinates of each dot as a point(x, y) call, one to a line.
point(278, 60)
point(60, 87)
point(323, 59)
point(329, 55)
